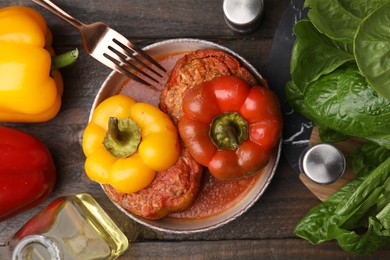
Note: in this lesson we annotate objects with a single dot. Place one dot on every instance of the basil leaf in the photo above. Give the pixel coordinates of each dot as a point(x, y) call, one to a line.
point(372, 50)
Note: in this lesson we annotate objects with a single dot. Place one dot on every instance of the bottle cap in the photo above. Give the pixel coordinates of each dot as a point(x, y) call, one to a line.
point(36, 247)
point(243, 16)
point(322, 163)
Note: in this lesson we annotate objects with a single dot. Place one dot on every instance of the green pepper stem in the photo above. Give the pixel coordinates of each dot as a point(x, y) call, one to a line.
point(65, 59)
point(228, 131)
point(122, 137)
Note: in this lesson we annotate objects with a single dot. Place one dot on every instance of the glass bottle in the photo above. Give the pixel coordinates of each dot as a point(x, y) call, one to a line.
point(72, 227)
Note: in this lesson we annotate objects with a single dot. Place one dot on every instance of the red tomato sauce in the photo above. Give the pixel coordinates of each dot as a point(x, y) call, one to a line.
point(214, 196)
point(147, 94)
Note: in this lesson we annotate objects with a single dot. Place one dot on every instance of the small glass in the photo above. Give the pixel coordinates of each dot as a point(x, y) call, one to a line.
point(72, 227)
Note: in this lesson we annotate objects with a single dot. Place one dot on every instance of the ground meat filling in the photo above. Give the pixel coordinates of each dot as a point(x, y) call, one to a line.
point(175, 189)
point(171, 191)
point(194, 68)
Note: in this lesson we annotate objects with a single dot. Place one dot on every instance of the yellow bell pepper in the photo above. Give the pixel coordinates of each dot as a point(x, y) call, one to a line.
point(126, 143)
point(28, 93)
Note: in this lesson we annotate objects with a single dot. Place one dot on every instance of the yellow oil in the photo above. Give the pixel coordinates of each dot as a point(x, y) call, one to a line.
point(80, 228)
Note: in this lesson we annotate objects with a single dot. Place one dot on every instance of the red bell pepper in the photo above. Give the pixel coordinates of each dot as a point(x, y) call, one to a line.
point(40, 223)
point(27, 172)
point(230, 127)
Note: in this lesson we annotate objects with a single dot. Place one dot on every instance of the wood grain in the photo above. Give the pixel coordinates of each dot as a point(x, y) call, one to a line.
point(266, 230)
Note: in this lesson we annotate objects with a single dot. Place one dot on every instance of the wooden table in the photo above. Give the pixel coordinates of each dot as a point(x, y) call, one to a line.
point(266, 230)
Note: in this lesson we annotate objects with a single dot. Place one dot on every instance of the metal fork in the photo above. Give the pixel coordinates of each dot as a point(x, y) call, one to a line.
point(112, 49)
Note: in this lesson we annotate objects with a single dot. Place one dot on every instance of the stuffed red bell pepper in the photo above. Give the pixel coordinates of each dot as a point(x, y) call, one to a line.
point(27, 172)
point(230, 127)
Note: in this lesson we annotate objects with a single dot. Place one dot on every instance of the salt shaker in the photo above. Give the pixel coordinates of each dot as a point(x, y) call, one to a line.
point(72, 227)
point(243, 16)
point(322, 163)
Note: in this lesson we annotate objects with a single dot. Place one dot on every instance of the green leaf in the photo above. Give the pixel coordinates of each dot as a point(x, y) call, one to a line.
point(314, 225)
point(367, 157)
point(384, 217)
point(381, 140)
point(344, 102)
point(367, 205)
point(339, 19)
point(372, 50)
point(328, 88)
point(337, 217)
point(314, 54)
point(352, 203)
point(373, 239)
point(362, 8)
point(332, 19)
point(328, 135)
point(295, 97)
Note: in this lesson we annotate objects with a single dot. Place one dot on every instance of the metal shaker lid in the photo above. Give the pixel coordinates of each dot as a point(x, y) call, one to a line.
point(243, 16)
point(322, 163)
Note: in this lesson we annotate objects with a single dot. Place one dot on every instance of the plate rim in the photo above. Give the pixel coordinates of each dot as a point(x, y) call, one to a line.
point(270, 174)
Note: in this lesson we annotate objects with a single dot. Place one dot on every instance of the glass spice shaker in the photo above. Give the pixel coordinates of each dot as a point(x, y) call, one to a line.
point(322, 163)
point(72, 227)
point(243, 16)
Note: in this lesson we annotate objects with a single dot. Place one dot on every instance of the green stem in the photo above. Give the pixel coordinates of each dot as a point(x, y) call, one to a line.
point(228, 131)
point(122, 138)
point(65, 59)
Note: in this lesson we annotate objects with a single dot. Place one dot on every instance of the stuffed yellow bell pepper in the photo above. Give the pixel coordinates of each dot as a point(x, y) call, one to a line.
point(29, 90)
point(127, 142)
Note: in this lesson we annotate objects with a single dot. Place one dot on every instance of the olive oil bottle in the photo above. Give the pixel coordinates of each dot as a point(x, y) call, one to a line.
point(73, 227)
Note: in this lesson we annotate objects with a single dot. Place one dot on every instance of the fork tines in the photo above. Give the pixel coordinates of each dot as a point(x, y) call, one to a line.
point(133, 62)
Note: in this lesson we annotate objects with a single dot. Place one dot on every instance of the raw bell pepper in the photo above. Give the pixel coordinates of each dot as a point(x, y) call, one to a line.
point(27, 172)
point(126, 143)
point(230, 127)
point(30, 88)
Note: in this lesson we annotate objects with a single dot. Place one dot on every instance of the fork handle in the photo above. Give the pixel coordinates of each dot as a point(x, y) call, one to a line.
point(50, 6)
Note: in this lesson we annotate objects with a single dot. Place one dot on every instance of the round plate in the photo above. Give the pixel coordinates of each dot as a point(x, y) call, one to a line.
point(112, 85)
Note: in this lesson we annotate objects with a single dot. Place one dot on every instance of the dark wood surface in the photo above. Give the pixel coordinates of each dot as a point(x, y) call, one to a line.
point(266, 230)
